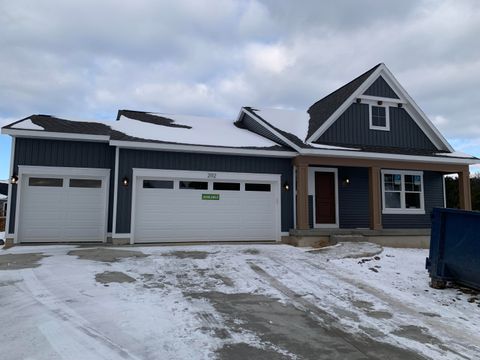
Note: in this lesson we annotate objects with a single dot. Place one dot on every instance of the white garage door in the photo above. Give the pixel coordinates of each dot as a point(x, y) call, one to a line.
point(57, 208)
point(194, 208)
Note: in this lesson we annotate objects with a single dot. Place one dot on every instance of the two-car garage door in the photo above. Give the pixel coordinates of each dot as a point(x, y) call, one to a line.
point(55, 207)
point(198, 206)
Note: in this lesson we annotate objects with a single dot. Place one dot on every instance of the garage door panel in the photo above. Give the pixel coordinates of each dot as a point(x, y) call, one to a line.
point(173, 215)
point(57, 214)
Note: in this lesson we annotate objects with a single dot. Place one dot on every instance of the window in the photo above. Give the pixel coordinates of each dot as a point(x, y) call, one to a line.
point(403, 192)
point(157, 184)
point(379, 118)
point(49, 182)
point(257, 187)
point(195, 185)
point(226, 186)
point(85, 183)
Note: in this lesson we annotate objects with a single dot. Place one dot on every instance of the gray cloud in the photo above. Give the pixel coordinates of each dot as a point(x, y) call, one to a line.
point(87, 59)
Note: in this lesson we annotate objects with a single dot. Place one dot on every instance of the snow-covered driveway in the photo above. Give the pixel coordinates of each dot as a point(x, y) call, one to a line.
point(351, 301)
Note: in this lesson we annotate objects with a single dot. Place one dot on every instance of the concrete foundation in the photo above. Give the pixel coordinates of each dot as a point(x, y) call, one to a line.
point(8, 243)
point(398, 238)
point(120, 241)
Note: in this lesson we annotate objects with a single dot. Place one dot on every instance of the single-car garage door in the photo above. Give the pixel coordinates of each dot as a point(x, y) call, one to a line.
point(198, 206)
point(58, 208)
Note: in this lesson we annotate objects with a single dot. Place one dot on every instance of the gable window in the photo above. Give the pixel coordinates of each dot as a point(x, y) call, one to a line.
point(402, 192)
point(379, 118)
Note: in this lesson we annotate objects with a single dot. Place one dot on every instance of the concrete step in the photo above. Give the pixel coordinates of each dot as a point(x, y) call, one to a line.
point(307, 241)
point(347, 238)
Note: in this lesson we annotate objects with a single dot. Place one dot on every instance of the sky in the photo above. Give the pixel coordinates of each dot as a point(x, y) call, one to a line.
point(87, 59)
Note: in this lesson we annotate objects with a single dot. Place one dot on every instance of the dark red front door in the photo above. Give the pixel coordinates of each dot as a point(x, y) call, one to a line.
point(325, 198)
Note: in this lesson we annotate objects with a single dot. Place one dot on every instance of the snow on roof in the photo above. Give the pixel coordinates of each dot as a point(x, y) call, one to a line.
point(203, 131)
point(3, 197)
point(292, 121)
point(331, 147)
point(27, 125)
point(457, 154)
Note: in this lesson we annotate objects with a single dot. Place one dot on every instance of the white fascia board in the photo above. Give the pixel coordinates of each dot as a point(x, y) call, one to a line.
point(361, 89)
point(272, 130)
point(384, 156)
point(55, 135)
point(201, 149)
point(428, 126)
point(417, 114)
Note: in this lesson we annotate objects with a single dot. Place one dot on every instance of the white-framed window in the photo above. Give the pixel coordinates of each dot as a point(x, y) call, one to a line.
point(402, 192)
point(379, 117)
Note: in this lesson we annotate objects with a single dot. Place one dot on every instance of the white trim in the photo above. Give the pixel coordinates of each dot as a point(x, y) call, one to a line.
point(55, 135)
point(10, 198)
point(444, 191)
point(272, 130)
point(294, 193)
point(115, 193)
point(403, 209)
point(385, 156)
point(26, 170)
point(311, 191)
point(207, 176)
point(415, 112)
point(387, 118)
point(367, 98)
point(201, 149)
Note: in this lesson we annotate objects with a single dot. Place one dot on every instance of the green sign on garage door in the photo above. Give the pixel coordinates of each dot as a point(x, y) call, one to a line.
point(210, 196)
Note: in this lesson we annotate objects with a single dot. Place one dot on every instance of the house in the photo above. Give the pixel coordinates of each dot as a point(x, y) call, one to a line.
point(363, 157)
point(3, 204)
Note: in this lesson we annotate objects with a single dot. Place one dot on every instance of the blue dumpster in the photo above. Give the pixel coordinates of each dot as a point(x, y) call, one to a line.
point(454, 248)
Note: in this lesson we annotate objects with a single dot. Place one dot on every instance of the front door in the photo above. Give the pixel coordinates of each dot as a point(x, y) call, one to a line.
point(325, 198)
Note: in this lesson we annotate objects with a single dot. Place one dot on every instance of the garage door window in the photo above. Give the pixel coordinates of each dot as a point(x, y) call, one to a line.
point(49, 182)
point(257, 187)
point(157, 184)
point(194, 185)
point(85, 183)
point(226, 186)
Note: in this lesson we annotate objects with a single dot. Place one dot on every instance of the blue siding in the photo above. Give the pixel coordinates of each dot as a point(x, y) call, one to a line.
point(381, 88)
point(130, 159)
point(433, 184)
point(353, 198)
point(352, 128)
point(37, 152)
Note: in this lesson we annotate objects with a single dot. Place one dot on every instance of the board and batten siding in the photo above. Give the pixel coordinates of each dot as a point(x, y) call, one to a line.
point(380, 88)
point(130, 159)
point(433, 195)
point(352, 128)
point(40, 152)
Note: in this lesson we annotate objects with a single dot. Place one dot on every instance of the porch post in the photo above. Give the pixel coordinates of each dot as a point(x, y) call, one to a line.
point(374, 198)
point(464, 194)
point(302, 197)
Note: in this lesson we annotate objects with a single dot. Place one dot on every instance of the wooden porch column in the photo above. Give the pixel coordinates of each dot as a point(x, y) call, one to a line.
point(464, 193)
point(374, 198)
point(302, 197)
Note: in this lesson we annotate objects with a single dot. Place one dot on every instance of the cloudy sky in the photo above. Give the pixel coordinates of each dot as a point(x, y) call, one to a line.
point(87, 59)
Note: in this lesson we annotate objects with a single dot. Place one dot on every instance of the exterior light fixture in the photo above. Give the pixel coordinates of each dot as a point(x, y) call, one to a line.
point(286, 186)
point(125, 181)
point(14, 179)
point(346, 181)
point(379, 102)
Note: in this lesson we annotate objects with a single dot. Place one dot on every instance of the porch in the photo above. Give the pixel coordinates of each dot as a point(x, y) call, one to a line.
point(355, 200)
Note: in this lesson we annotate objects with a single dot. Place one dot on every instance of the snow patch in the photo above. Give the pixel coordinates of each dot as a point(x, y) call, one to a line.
point(204, 131)
point(457, 154)
point(291, 121)
point(27, 125)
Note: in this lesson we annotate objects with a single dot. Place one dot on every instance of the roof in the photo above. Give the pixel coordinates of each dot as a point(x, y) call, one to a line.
point(325, 107)
point(141, 127)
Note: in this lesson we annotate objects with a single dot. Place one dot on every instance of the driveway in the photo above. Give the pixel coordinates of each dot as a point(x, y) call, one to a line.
point(351, 301)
